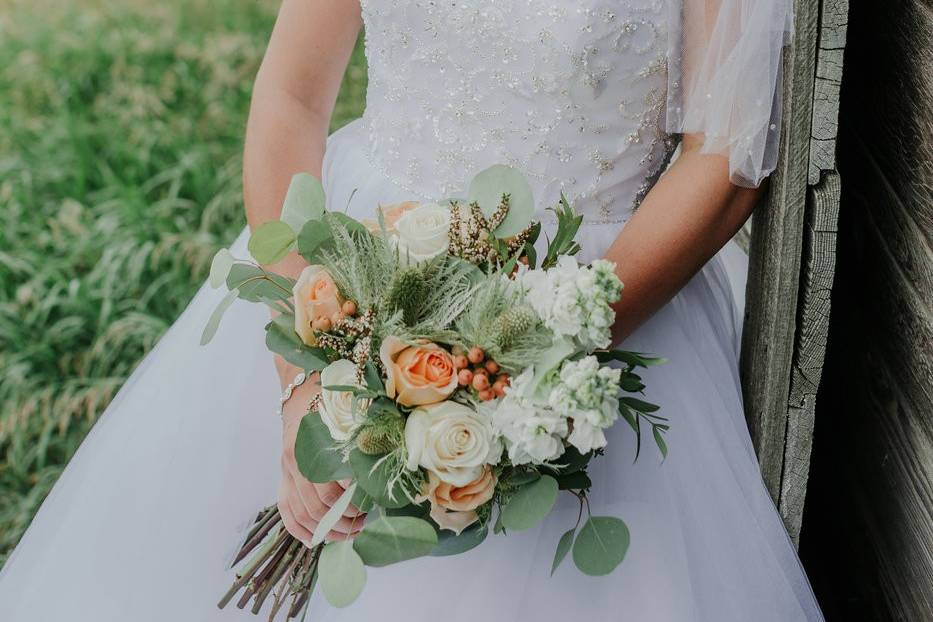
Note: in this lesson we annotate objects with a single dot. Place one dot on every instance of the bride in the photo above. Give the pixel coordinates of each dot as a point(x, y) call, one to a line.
point(590, 98)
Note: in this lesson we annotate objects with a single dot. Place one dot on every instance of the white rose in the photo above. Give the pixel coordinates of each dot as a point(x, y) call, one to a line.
point(422, 233)
point(452, 440)
point(337, 411)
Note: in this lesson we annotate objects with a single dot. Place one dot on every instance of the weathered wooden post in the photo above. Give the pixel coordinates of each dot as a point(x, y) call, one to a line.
point(792, 261)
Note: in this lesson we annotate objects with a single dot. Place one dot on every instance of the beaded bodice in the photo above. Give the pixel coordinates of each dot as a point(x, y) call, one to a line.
point(570, 93)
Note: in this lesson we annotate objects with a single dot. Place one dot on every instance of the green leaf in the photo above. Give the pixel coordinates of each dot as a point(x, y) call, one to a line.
point(563, 547)
point(214, 321)
point(634, 359)
point(220, 267)
point(315, 237)
point(392, 539)
point(361, 501)
point(487, 189)
point(333, 515)
point(375, 480)
point(521, 477)
point(601, 545)
point(372, 378)
point(659, 441)
point(551, 359)
point(640, 405)
point(271, 241)
point(256, 284)
point(578, 480)
point(530, 504)
point(342, 573)
point(284, 341)
point(449, 543)
point(303, 202)
point(317, 458)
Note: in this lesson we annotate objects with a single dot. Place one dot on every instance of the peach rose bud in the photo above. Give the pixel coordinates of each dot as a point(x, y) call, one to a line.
point(418, 374)
point(316, 296)
point(453, 507)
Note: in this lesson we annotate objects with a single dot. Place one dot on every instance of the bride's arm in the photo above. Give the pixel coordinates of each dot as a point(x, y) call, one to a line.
point(687, 217)
point(293, 98)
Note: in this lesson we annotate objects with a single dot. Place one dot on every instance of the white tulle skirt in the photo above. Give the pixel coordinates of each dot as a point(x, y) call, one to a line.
point(144, 522)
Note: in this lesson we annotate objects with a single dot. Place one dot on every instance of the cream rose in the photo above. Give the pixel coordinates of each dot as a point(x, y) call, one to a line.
point(452, 440)
point(422, 233)
point(417, 374)
point(337, 411)
point(316, 296)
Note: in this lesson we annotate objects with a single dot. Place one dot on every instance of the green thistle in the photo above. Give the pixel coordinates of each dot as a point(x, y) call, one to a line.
point(407, 292)
point(512, 324)
point(381, 434)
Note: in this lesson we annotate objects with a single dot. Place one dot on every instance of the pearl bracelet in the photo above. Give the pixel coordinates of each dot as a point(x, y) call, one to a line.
point(287, 393)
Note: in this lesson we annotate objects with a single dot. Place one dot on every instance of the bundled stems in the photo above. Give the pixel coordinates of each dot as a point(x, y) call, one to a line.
point(277, 564)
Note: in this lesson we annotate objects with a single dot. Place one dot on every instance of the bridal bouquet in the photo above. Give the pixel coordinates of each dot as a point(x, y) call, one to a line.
point(464, 384)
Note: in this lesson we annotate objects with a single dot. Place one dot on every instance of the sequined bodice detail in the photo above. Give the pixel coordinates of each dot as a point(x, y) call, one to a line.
point(570, 93)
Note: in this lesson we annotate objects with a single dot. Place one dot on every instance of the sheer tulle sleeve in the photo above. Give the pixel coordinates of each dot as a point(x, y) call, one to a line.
point(724, 72)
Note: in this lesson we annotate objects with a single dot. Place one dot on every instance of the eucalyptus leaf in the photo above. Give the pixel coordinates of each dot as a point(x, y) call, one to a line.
point(220, 267)
point(303, 202)
point(315, 454)
point(449, 543)
point(392, 539)
point(601, 545)
point(214, 321)
point(256, 284)
point(577, 480)
point(659, 440)
point(375, 480)
point(333, 515)
point(342, 573)
point(563, 547)
point(315, 237)
point(271, 241)
point(285, 342)
point(487, 189)
point(530, 504)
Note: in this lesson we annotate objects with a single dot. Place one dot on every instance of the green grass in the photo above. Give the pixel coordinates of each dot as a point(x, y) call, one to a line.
point(121, 128)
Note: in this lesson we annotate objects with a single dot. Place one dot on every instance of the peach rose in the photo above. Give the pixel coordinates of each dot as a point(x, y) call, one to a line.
point(390, 215)
point(419, 374)
point(316, 296)
point(453, 507)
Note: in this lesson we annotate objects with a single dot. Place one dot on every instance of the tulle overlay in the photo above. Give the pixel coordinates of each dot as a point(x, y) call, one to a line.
point(144, 522)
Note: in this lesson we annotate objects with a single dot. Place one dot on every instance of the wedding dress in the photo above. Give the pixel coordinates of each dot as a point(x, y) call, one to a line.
point(584, 97)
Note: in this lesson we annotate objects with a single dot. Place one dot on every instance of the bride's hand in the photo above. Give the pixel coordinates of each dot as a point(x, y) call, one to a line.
point(302, 504)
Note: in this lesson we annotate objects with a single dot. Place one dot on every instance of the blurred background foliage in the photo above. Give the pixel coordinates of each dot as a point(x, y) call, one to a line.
point(121, 128)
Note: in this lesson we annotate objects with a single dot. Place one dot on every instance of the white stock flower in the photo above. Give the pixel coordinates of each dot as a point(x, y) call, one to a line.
point(533, 432)
point(422, 233)
point(587, 393)
point(574, 300)
point(337, 411)
point(452, 440)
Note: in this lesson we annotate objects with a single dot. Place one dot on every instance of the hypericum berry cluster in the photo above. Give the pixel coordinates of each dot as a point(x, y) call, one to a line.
point(324, 324)
point(483, 375)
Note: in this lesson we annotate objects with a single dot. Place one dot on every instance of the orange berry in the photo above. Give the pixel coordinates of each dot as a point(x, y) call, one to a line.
point(460, 361)
point(323, 324)
point(498, 387)
point(492, 367)
point(480, 382)
point(337, 316)
point(486, 395)
point(523, 259)
point(476, 355)
point(349, 308)
point(465, 377)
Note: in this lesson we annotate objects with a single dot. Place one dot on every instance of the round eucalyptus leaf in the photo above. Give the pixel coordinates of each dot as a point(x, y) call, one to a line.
point(341, 572)
point(333, 515)
point(449, 543)
point(375, 480)
point(285, 342)
point(530, 504)
point(601, 545)
point(487, 189)
point(317, 459)
point(393, 539)
point(315, 236)
point(271, 241)
point(220, 267)
point(304, 201)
